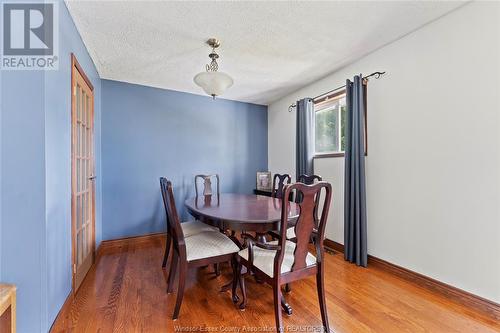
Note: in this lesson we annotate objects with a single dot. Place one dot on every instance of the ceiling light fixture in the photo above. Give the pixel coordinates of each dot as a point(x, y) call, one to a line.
point(214, 83)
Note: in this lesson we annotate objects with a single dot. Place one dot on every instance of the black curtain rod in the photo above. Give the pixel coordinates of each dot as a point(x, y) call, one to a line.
point(376, 75)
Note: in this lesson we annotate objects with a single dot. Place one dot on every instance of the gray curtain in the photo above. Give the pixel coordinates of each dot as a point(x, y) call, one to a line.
point(305, 137)
point(355, 184)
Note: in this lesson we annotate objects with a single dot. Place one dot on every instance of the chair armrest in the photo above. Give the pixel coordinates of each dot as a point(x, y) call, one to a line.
point(268, 246)
point(249, 240)
point(247, 236)
point(252, 241)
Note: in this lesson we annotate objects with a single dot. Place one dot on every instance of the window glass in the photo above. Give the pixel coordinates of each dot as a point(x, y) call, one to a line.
point(330, 126)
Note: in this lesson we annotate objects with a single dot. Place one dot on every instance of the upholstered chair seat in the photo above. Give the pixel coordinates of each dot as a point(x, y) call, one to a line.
point(209, 244)
point(195, 227)
point(263, 259)
point(290, 233)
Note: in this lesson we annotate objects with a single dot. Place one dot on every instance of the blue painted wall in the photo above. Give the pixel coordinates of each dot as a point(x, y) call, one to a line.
point(35, 189)
point(149, 132)
point(23, 193)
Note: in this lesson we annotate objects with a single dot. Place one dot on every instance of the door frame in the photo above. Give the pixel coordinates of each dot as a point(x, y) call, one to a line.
point(75, 66)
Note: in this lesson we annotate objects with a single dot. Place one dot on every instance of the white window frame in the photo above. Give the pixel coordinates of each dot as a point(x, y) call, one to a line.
point(323, 105)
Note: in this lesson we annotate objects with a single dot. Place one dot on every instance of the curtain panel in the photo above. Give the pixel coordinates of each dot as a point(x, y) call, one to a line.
point(305, 137)
point(355, 226)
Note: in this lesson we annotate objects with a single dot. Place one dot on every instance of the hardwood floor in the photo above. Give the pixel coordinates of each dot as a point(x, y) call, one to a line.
point(126, 292)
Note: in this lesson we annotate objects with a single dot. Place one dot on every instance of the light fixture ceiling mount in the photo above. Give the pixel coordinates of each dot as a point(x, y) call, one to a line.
point(213, 42)
point(213, 82)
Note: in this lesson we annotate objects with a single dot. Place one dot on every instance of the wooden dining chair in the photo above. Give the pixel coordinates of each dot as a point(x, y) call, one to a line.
point(278, 184)
point(207, 184)
point(189, 228)
point(290, 231)
point(196, 250)
point(283, 261)
point(207, 191)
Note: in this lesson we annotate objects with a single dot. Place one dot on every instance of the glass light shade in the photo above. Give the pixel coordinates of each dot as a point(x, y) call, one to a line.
point(213, 83)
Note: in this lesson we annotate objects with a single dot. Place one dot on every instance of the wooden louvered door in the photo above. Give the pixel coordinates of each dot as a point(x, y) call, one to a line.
point(83, 174)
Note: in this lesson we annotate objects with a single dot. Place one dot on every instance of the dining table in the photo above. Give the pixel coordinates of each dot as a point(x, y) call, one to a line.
point(242, 212)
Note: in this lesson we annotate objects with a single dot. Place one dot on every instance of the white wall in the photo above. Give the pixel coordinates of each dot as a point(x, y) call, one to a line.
point(433, 165)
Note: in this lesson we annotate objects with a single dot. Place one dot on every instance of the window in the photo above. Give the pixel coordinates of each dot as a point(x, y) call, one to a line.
point(330, 125)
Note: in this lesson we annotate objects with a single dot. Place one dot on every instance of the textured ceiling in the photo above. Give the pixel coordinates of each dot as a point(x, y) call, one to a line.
point(270, 48)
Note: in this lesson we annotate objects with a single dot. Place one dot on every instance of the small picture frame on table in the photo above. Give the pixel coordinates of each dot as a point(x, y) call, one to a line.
point(264, 181)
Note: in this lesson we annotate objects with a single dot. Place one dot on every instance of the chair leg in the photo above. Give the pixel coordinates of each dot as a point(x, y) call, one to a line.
point(242, 286)
point(234, 265)
point(180, 290)
point(217, 269)
point(277, 307)
point(288, 288)
point(173, 269)
point(321, 296)
point(286, 307)
point(167, 250)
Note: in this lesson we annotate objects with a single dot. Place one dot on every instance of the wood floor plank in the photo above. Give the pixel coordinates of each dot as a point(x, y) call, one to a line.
point(126, 292)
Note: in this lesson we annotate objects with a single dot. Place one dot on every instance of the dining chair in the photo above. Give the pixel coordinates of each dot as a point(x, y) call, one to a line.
point(207, 190)
point(290, 231)
point(189, 228)
point(207, 184)
point(278, 183)
point(283, 261)
point(194, 251)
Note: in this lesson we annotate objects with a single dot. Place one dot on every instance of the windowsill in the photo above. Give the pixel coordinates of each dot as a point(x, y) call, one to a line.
point(328, 155)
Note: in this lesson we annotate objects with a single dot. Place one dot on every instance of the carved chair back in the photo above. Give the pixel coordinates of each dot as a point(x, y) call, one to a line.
point(305, 226)
point(309, 180)
point(279, 183)
point(173, 221)
point(207, 184)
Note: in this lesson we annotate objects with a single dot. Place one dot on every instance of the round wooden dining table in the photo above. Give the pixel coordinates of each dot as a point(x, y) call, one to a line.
point(240, 212)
